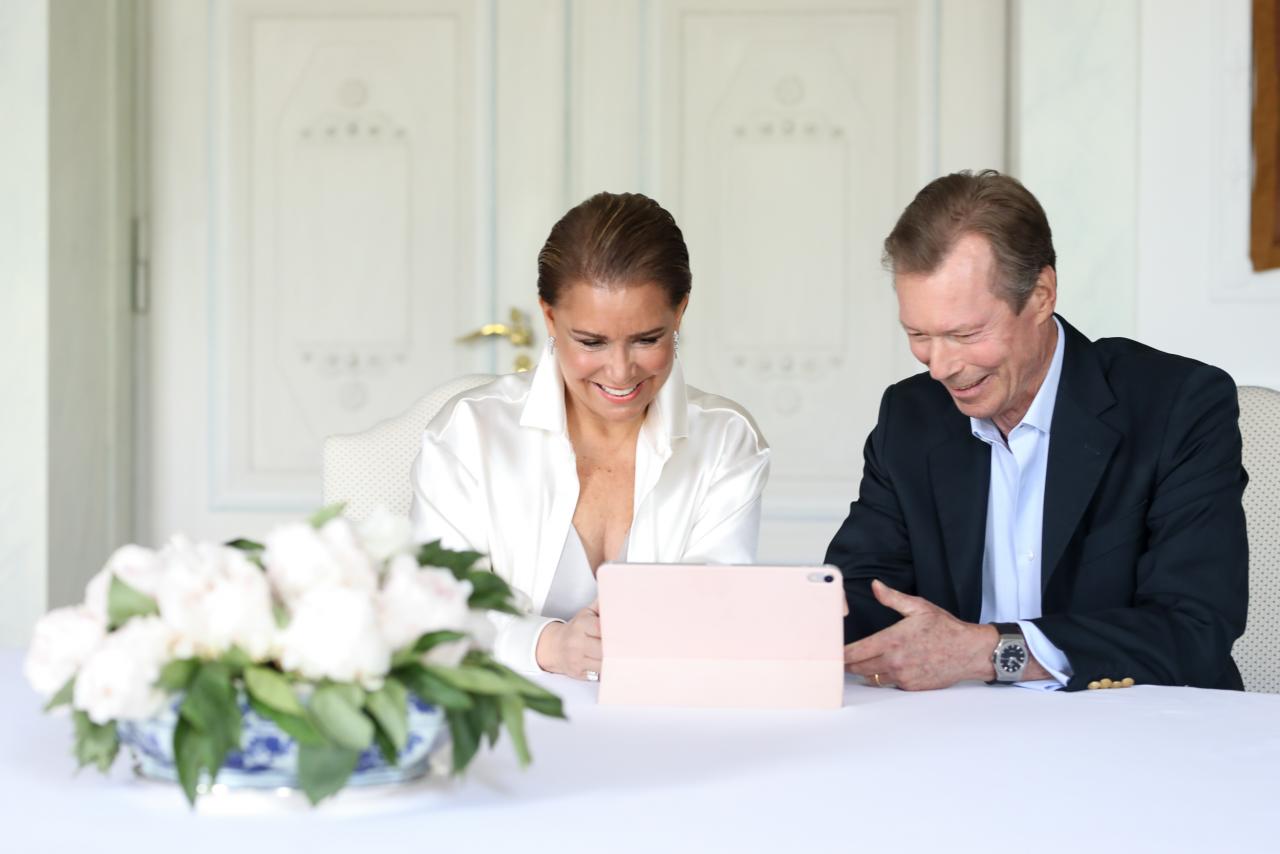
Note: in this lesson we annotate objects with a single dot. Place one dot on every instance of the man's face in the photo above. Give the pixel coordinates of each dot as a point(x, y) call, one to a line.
point(991, 360)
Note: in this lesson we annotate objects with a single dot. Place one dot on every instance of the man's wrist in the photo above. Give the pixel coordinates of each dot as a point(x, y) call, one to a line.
point(987, 636)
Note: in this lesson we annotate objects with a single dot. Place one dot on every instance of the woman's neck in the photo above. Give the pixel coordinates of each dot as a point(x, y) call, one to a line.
point(588, 430)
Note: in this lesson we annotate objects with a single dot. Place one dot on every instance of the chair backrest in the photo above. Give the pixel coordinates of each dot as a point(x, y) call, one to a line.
point(1257, 652)
point(371, 469)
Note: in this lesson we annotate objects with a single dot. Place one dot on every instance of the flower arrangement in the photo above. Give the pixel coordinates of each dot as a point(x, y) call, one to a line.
point(329, 629)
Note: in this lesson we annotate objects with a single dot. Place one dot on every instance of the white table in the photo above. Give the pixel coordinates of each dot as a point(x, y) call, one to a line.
point(973, 768)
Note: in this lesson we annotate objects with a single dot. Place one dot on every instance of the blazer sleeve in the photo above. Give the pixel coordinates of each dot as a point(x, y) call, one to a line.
point(448, 506)
point(872, 542)
point(726, 528)
point(1191, 581)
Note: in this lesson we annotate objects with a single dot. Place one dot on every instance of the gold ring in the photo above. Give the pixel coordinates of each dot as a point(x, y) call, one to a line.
point(876, 676)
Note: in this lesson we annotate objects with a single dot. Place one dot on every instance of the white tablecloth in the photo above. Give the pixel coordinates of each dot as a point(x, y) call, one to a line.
point(972, 768)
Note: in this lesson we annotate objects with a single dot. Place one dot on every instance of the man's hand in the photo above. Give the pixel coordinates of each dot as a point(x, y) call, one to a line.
point(572, 648)
point(927, 648)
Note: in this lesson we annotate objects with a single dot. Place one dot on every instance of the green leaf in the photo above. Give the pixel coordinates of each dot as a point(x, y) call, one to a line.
point(389, 707)
point(489, 592)
point(63, 696)
point(388, 750)
point(272, 689)
point(353, 693)
point(246, 545)
point(433, 639)
point(521, 685)
point(423, 644)
point(488, 719)
point(474, 680)
point(339, 719)
point(299, 727)
point(513, 718)
point(210, 706)
point(551, 707)
point(325, 514)
point(236, 659)
point(432, 689)
point(190, 749)
point(324, 769)
point(281, 615)
point(96, 744)
point(465, 735)
point(176, 675)
point(492, 603)
point(433, 554)
point(125, 602)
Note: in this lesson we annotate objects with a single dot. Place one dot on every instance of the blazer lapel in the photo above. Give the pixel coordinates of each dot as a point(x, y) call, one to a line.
point(960, 471)
point(1080, 448)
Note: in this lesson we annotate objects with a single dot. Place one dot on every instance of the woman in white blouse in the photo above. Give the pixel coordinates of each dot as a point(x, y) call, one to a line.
point(602, 453)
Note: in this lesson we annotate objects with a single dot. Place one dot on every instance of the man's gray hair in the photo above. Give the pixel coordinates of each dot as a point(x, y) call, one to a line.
point(995, 206)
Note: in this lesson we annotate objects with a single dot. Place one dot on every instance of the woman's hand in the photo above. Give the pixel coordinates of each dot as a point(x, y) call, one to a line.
point(572, 648)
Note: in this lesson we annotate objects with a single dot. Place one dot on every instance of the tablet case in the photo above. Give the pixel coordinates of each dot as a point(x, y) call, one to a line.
point(736, 636)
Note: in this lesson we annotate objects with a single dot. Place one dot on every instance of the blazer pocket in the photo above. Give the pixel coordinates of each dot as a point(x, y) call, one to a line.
point(1128, 527)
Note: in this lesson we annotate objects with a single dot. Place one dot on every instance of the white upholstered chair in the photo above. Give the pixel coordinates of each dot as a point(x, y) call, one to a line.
point(371, 469)
point(1258, 651)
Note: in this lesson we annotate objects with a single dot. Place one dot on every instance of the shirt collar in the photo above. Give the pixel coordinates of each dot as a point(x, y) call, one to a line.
point(666, 420)
point(1040, 413)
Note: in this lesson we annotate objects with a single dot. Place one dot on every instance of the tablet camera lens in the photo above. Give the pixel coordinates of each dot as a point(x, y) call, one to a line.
point(829, 578)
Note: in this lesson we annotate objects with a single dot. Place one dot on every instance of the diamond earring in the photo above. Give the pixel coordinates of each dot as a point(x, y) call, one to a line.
point(675, 339)
point(551, 345)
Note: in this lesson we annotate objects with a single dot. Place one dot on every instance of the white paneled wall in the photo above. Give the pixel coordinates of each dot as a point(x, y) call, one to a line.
point(24, 326)
point(343, 188)
point(1128, 118)
point(1197, 291)
point(1075, 143)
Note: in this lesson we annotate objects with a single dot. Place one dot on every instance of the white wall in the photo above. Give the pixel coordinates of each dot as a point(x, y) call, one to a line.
point(88, 294)
point(23, 316)
point(64, 339)
point(1074, 105)
point(1197, 292)
point(1132, 126)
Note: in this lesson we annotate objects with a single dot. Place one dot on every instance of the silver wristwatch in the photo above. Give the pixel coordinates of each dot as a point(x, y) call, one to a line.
point(1010, 655)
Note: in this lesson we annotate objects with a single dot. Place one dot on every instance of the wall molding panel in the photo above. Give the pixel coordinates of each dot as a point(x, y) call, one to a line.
point(346, 190)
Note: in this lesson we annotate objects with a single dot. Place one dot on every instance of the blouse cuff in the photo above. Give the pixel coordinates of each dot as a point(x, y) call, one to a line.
point(517, 643)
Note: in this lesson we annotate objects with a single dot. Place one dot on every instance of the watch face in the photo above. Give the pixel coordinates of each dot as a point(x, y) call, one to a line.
point(1012, 658)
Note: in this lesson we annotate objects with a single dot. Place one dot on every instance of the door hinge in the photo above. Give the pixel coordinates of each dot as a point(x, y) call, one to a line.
point(140, 265)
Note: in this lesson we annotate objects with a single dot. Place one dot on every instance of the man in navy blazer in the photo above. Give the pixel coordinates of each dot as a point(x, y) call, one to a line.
point(1037, 508)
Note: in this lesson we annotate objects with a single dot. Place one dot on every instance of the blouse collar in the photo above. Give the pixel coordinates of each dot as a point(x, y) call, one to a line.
point(666, 420)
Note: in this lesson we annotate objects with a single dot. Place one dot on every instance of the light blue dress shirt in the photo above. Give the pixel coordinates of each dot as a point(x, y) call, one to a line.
point(1015, 523)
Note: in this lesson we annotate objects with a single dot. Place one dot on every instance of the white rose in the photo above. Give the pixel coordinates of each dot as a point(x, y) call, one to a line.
point(134, 565)
point(334, 635)
point(385, 535)
point(300, 559)
point(415, 600)
point(63, 639)
point(117, 681)
point(214, 598)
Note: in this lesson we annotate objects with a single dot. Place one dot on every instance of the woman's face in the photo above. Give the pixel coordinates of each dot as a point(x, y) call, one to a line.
point(615, 345)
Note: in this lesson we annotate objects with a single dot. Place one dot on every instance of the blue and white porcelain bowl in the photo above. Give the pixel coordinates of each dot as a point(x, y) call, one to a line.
point(268, 757)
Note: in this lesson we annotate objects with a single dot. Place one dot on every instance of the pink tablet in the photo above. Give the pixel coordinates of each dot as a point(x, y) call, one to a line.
point(745, 636)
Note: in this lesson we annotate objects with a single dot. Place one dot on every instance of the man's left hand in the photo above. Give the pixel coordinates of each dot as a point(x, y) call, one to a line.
point(928, 648)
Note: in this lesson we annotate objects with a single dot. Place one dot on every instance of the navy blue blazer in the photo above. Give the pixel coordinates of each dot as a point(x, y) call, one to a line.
point(1144, 569)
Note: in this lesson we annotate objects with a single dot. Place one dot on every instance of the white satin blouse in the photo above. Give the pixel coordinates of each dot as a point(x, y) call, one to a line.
point(497, 474)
